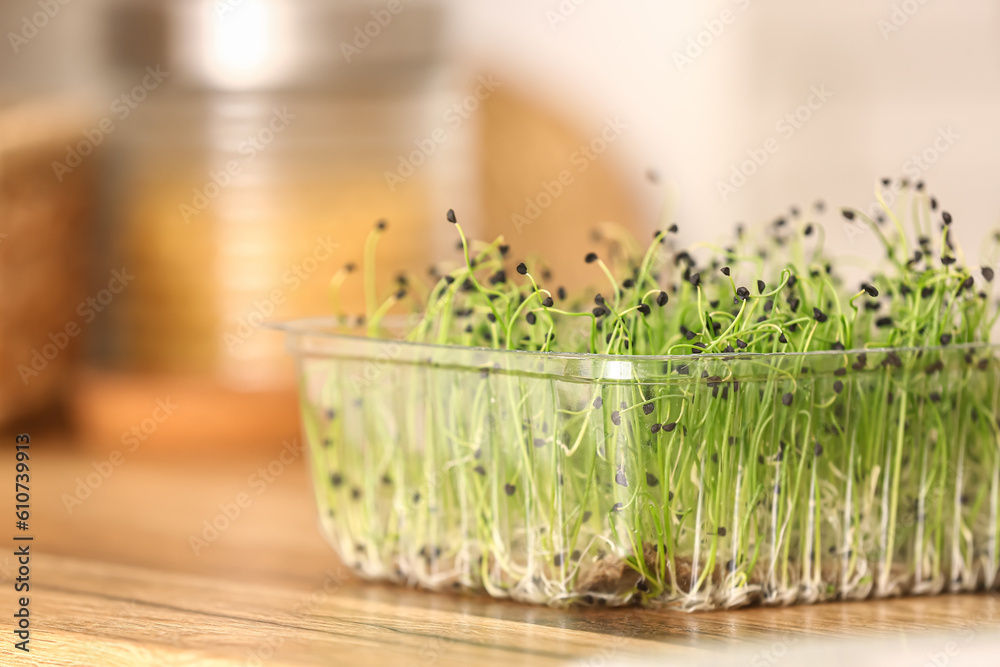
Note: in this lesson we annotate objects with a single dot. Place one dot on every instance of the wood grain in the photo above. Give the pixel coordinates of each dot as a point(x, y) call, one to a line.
point(115, 582)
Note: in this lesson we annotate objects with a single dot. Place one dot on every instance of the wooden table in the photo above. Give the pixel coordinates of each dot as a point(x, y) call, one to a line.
point(115, 581)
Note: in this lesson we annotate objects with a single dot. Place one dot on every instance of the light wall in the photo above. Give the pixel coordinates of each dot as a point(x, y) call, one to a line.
point(892, 92)
point(899, 72)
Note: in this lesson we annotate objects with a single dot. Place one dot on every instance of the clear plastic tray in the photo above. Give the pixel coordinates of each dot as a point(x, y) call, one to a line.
point(701, 482)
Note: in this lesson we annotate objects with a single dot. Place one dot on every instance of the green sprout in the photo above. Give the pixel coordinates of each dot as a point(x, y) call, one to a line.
point(701, 431)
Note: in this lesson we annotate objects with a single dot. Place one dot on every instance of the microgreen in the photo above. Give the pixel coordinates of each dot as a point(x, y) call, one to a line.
point(706, 428)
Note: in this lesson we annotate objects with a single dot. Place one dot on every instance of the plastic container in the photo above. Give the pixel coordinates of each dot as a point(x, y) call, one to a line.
point(702, 482)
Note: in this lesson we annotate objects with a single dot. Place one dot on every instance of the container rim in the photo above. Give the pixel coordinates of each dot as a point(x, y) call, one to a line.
point(330, 328)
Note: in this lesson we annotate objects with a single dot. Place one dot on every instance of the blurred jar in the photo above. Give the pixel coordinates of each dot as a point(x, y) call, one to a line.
point(272, 136)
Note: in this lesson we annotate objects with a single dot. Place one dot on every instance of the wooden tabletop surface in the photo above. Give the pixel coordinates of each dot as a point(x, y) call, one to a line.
point(115, 580)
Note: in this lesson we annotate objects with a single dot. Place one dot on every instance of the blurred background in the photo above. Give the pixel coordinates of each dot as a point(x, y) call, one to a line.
point(175, 173)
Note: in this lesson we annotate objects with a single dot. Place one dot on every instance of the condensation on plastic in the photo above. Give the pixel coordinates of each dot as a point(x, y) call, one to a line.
point(698, 482)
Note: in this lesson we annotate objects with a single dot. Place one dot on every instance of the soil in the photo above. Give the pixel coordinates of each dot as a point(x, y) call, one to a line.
point(610, 580)
point(613, 575)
